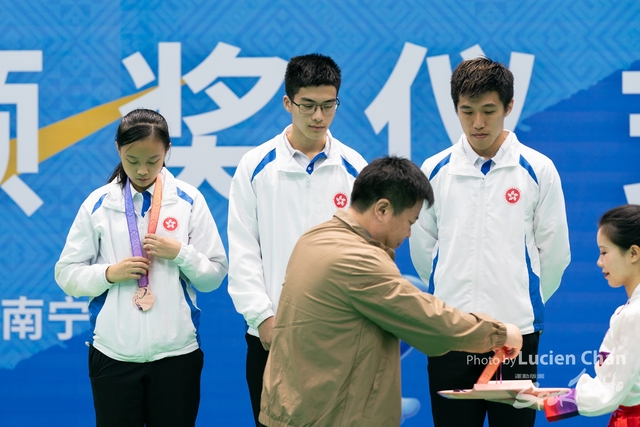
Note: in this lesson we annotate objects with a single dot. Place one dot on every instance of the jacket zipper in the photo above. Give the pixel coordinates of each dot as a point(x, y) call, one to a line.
point(478, 250)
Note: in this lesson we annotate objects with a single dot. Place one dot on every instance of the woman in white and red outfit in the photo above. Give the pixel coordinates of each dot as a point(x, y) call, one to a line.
point(616, 386)
point(144, 233)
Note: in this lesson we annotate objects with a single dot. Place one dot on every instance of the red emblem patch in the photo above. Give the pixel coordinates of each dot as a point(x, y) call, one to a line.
point(340, 200)
point(170, 224)
point(512, 196)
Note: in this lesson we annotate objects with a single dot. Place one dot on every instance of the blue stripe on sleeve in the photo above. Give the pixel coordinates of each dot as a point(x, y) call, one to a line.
point(270, 157)
point(528, 168)
point(195, 312)
point(432, 285)
point(95, 306)
point(349, 167)
point(98, 203)
point(439, 166)
point(184, 196)
point(534, 294)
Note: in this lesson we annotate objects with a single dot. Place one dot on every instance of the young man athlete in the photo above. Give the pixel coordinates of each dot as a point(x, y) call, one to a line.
point(495, 240)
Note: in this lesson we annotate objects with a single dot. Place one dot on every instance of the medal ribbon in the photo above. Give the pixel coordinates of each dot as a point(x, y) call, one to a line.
point(132, 223)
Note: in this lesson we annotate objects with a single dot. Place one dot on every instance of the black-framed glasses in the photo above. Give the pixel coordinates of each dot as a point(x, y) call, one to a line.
point(328, 108)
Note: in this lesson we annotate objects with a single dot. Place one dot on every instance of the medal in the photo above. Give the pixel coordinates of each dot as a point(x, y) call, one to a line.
point(143, 298)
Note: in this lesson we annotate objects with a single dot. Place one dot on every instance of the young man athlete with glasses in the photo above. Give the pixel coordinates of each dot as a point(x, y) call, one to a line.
point(280, 189)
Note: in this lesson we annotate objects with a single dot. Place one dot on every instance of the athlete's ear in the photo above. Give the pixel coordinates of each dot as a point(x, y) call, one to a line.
point(287, 103)
point(509, 108)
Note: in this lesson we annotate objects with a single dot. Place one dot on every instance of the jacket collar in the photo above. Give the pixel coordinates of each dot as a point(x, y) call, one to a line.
point(461, 165)
point(285, 161)
point(635, 296)
point(115, 196)
point(350, 222)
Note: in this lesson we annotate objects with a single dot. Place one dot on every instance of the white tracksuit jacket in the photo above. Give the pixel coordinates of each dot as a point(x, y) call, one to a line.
point(272, 202)
point(99, 237)
point(498, 243)
point(617, 380)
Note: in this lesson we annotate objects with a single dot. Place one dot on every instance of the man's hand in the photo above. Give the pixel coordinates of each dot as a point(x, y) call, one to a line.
point(513, 344)
point(265, 330)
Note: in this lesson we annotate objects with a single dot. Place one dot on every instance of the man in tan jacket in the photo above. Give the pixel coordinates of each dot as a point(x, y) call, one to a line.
point(335, 358)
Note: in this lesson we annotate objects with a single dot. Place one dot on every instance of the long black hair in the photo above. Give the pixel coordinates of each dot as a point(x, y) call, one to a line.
point(135, 126)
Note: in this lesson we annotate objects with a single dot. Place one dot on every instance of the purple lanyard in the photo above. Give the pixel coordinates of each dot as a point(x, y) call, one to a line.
point(134, 235)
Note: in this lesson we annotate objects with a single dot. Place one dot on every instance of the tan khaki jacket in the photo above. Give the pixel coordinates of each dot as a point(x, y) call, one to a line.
point(335, 358)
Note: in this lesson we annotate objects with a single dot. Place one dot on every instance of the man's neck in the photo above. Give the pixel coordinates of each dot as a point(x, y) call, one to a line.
point(309, 148)
point(362, 218)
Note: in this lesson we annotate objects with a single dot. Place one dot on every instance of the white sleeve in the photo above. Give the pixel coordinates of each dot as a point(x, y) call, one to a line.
point(424, 236)
point(203, 260)
point(246, 274)
point(76, 272)
point(619, 372)
point(551, 231)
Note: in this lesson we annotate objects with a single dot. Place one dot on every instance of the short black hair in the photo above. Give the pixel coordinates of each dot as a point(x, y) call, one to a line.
point(622, 226)
point(313, 69)
point(396, 179)
point(475, 77)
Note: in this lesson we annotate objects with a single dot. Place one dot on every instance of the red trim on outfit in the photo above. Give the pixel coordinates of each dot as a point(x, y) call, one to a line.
point(625, 416)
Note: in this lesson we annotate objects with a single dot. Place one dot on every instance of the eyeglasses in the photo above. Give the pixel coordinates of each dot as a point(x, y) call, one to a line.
point(327, 108)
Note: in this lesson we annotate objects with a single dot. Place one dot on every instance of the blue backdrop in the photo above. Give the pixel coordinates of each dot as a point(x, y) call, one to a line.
point(70, 68)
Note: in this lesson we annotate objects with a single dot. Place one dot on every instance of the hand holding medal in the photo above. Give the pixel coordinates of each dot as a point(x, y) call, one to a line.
point(161, 246)
point(131, 268)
